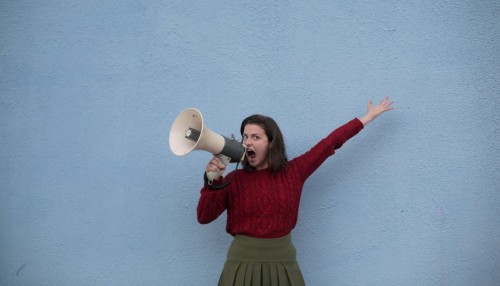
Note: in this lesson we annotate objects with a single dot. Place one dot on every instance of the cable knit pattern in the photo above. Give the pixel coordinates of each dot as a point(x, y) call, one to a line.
point(262, 204)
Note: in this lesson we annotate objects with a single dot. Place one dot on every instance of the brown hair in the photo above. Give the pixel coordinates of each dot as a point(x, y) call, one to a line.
point(276, 153)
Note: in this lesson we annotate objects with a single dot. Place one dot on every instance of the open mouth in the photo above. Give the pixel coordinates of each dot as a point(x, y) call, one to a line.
point(251, 154)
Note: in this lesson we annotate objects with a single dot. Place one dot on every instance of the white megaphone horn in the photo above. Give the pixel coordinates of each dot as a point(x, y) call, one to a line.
point(188, 133)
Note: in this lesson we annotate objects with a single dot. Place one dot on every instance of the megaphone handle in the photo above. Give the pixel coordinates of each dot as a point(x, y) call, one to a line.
point(212, 175)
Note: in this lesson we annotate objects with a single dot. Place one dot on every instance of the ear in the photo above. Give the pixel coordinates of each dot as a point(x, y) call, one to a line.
point(270, 145)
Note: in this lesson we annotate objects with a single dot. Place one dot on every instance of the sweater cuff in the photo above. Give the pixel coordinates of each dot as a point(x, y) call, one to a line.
point(216, 182)
point(359, 124)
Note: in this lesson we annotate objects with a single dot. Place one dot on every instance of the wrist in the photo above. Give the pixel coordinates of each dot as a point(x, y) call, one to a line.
point(367, 118)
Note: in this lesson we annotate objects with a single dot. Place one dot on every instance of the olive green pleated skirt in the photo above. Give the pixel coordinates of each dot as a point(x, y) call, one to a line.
point(261, 262)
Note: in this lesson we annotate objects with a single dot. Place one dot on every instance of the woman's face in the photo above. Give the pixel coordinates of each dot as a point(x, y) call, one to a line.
point(256, 142)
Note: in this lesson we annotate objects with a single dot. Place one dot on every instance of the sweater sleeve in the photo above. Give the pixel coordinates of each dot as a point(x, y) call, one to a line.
point(212, 203)
point(312, 159)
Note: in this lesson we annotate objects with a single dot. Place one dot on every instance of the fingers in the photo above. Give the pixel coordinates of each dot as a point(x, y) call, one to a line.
point(383, 106)
point(217, 162)
point(215, 165)
point(386, 104)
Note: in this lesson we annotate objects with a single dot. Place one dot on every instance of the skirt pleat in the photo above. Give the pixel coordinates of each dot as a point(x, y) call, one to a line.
point(251, 274)
point(261, 262)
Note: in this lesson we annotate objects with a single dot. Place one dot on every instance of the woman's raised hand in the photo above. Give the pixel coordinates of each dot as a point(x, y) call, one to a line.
point(374, 111)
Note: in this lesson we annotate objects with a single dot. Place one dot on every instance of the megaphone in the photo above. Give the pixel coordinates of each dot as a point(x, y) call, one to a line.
point(189, 133)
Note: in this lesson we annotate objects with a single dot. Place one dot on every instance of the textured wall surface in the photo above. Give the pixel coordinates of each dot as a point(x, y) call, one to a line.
point(90, 193)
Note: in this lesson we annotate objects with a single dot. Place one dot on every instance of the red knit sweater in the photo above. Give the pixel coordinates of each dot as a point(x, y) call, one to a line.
point(263, 204)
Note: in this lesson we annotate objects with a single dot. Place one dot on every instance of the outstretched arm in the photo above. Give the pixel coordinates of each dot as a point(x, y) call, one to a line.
point(374, 111)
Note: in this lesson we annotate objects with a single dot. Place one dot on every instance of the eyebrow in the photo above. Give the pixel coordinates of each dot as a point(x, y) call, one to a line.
point(251, 134)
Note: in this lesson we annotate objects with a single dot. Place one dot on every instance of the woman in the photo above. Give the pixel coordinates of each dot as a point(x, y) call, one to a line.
point(262, 199)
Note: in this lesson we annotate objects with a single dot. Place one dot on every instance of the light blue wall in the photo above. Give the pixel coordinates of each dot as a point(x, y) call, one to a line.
point(91, 194)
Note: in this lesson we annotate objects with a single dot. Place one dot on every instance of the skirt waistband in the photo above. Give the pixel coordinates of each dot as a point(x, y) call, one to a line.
point(246, 248)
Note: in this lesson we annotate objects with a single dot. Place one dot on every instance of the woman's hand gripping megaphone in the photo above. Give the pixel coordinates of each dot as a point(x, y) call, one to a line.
point(216, 167)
